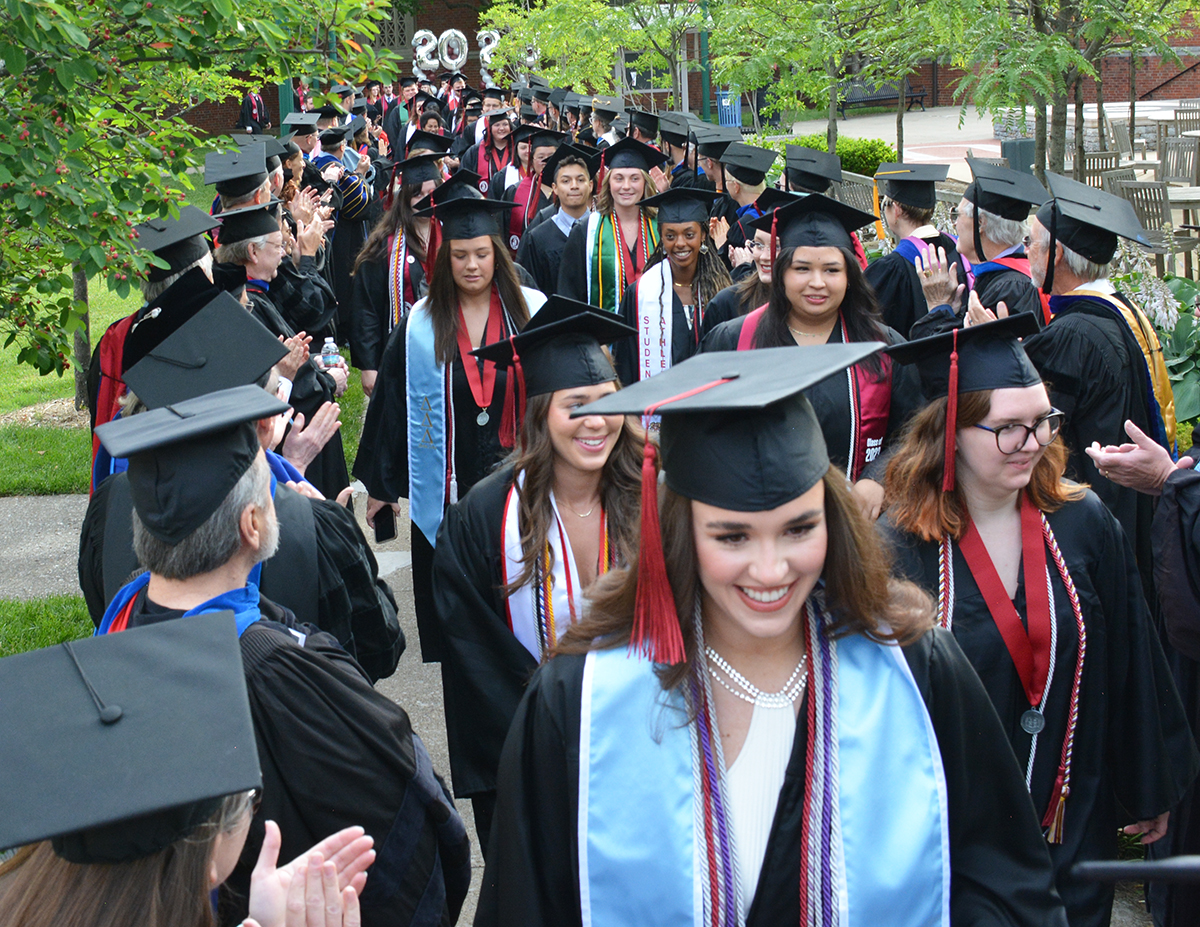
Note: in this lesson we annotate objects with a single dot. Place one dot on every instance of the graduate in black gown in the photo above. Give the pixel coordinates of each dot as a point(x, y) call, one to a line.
point(908, 195)
point(389, 273)
point(490, 158)
point(323, 572)
point(611, 250)
point(569, 493)
point(334, 752)
point(433, 425)
point(1099, 354)
point(313, 385)
point(680, 753)
point(819, 296)
point(668, 302)
point(571, 171)
point(985, 521)
point(992, 227)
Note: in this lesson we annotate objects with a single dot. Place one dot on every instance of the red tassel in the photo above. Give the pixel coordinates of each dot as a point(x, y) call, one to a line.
point(1053, 821)
point(774, 229)
point(600, 170)
point(656, 630)
point(431, 246)
point(951, 419)
point(514, 401)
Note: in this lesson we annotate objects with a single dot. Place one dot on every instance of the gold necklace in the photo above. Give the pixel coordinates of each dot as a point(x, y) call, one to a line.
point(585, 514)
point(804, 334)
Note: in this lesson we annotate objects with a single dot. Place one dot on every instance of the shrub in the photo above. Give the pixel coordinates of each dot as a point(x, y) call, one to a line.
point(859, 155)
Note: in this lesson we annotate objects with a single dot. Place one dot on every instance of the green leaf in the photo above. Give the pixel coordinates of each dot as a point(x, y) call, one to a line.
point(1187, 399)
point(224, 8)
point(14, 58)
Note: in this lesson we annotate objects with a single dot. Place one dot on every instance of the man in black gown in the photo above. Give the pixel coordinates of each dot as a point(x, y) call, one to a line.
point(333, 751)
point(542, 246)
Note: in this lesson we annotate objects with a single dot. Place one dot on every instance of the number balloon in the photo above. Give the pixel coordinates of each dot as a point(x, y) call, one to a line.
point(532, 56)
point(452, 50)
point(488, 39)
point(424, 45)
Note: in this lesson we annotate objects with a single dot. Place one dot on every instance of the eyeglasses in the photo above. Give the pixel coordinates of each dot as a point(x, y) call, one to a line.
point(754, 245)
point(1011, 438)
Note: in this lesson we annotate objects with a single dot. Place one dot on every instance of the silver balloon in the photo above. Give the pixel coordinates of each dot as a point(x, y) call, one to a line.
point(532, 56)
point(488, 39)
point(453, 49)
point(424, 45)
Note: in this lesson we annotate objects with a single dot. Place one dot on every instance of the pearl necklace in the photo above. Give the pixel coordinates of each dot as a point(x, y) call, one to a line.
point(749, 692)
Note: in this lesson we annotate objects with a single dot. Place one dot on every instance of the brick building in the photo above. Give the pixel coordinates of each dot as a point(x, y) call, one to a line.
point(1156, 78)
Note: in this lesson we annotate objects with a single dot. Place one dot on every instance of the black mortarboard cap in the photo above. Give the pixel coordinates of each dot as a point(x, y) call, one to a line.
point(426, 98)
point(273, 148)
point(682, 204)
point(737, 433)
point(344, 89)
point(571, 101)
point(528, 112)
point(674, 127)
point(557, 96)
point(542, 136)
point(360, 105)
point(968, 360)
point(334, 135)
point(464, 182)
point(185, 458)
point(748, 164)
point(180, 242)
point(814, 221)
point(586, 136)
point(237, 172)
point(913, 185)
point(608, 108)
point(496, 115)
point(330, 111)
point(812, 170)
point(1003, 191)
point(165, 313)
point(117, 746)
point(428, 141)
point(495, 93)
point(525, 94)
point(221, 346)
point(772, 198)
point(541, 94)
point(559, 348)
point(1088, 220)
point(418, 169)
point(249, 222)
point(355, 125)
point(536, 81)
point(305, 123)
point(711, 141)
point(645, 121)
point(467, 217)
point(629, 152)
point(569, 151)
point(408, 82)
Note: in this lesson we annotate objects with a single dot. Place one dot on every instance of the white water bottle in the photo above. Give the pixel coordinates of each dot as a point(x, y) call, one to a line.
point(330, 355)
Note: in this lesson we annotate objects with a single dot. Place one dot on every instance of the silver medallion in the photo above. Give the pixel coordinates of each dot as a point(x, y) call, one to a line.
point(482, 418)
point(1033, 721)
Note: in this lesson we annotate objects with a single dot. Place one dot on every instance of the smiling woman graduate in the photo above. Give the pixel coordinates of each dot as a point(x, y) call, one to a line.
point(516, 556)
point(752, 724)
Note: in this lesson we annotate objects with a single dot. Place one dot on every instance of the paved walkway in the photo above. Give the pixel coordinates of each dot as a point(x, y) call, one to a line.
point(39, 541)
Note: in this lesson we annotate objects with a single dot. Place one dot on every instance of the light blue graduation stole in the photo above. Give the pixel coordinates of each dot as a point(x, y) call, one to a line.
point(425, 397)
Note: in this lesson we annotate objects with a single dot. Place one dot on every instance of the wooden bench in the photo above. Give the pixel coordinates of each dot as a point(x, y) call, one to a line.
point(857, 92)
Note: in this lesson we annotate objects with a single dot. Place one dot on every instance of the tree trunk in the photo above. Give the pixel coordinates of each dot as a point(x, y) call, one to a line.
point(900, 124)
point(1058, 133)
point(831, 130)
point(1080, 146)
point(1039, 140)
point(83, 340)
point(1101, 116)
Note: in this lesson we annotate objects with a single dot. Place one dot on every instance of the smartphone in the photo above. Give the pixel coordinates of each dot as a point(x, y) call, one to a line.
point(385, 524)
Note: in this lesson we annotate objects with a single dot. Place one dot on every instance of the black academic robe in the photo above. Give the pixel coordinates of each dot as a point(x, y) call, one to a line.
point(685, 336)
point(1096, 375)
point(541, 254)
point(382, 461)
point(546, 212)
point(394, 122)
point(305, 299)
point(1008, 286)
point(371, 309)
point(898, 285)
point(484, 667)
point(493, 176)
point(254, 115)
point(831, 400)
point(1000, 873)
point(1176, 535)
point(324, 572)
point(725, 305)
point(682, 176)
point(311, 388)
point(335, 753)
point(1133, 754)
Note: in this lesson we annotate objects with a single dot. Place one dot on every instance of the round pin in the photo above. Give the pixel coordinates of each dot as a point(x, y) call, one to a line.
point(482, 418)
point(1033, 721)
point(411, 259)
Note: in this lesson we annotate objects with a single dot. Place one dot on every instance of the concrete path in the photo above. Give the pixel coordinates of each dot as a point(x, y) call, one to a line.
point(39, 540)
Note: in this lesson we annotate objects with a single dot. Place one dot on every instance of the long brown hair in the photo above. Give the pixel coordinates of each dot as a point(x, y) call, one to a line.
point(859, 310)
point(443, 297)
point(752, 292)
point(913, 496)
point(604, 200)
point(399, 218)
point(859, 591)
point(620, 488)
point(169, 888)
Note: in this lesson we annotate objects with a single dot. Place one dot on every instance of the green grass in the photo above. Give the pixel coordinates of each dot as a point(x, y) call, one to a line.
point(39, 461)
point(354, 407)
point(29, 625)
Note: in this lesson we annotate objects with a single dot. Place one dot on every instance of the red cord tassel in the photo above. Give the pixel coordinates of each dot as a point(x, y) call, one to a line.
point(600, 171)
point(1053, 820)
point(774, 235)
point(434, 243)
point(655, 625)
point(951, 419)
point(514, 402)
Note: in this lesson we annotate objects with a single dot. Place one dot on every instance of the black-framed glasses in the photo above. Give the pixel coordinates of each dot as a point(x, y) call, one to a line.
point(754, 245)
point(1011, 438)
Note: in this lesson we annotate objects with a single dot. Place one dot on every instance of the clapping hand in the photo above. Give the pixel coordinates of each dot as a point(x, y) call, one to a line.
point(939, 280)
